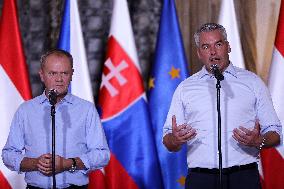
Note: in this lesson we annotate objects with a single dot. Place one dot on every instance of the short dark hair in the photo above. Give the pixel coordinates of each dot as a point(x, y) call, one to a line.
point(58, 52)
point(207, 28)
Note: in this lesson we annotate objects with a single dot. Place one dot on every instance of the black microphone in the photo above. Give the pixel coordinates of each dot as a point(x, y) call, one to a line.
point(217, 74)
point(52, 96)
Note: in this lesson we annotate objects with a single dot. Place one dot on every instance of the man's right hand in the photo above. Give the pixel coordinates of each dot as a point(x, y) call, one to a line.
point(180, 135)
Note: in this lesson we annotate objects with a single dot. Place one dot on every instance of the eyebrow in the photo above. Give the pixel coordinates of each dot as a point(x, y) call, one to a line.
point(221, 40)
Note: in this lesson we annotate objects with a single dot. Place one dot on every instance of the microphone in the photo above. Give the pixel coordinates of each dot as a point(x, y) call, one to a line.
point(217, 74)
point(52, 95)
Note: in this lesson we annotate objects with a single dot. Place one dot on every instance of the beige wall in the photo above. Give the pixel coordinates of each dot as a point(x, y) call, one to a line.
point(257, 21)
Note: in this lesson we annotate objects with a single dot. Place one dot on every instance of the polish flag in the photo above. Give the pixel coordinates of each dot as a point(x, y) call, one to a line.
point(14, 82)
point(228, 19)
point(273, 159)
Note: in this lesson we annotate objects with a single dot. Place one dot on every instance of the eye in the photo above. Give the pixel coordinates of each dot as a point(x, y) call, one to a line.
point(219, 44)
point(52, 73)
point(204, 47)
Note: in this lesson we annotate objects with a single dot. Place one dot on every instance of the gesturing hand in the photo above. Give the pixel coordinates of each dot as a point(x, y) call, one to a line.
point(181, 133)
point(248, 137)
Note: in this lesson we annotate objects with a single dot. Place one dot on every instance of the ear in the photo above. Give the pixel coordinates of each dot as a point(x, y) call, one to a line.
point(198, 53)
point(229, 48)
point(40, 72)
point(72, 74)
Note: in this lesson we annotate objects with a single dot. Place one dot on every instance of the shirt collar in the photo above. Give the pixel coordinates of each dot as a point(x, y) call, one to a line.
point(68, 98)
point(230, 70)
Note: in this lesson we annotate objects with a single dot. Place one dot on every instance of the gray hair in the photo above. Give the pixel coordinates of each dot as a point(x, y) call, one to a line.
point(58, 52)
point(208, 27)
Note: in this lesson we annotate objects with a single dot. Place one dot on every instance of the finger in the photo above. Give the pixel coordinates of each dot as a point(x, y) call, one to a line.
point(239, 139)
point(174, 123)
point(182, 130)
point(239, 132)
point(257, 126)
point(245, 130)
point(190, 135)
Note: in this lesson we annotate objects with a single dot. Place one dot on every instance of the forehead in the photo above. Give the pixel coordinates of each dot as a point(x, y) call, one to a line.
point(57, 61)
point(211, 37)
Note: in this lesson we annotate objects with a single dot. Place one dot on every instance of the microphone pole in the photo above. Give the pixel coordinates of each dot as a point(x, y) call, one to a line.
point(219, 77)
point(52, 96)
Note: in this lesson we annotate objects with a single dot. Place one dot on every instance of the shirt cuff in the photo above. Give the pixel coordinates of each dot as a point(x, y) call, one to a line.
point(18, 162)
point(85, 160)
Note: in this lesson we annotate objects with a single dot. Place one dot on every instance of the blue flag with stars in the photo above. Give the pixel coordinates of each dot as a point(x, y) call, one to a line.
point(170, 68)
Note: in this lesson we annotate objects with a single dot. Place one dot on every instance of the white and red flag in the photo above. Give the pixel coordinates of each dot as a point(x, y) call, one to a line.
point(14, 83)
point(228, 19)
point(272, 160)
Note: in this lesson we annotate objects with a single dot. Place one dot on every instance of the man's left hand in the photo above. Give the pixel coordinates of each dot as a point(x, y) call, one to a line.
point(248, 137)
point(60, 164)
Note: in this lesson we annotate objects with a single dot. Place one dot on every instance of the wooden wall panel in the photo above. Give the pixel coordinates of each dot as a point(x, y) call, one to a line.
point(257, 21)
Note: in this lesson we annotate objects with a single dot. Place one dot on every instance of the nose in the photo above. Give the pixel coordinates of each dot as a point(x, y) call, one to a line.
point(212, 51)
point(59, 77)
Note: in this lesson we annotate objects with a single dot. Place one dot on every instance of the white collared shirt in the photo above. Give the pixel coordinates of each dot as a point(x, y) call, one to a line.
point(244, 99)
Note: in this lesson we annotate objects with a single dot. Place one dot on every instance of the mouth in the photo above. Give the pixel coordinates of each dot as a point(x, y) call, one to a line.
point(213, 59)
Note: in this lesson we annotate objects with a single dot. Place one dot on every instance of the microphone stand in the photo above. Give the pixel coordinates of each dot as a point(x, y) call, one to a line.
point(52, 96)
point(52, 113)
point(218, 87)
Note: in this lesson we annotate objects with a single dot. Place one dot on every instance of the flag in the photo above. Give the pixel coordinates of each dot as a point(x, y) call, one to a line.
point(273, 159)
point(14, 82)
point(169, 69)
point(227, 18)
point(125, 117)
point(71, 40)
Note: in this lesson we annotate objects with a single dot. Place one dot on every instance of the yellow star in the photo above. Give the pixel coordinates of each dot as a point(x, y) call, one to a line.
point(181, 180)
point(151, 83)
point(174, 73)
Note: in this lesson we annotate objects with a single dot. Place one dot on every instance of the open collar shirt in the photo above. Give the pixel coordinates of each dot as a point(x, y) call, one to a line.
point(78, 131)
point(244, 99)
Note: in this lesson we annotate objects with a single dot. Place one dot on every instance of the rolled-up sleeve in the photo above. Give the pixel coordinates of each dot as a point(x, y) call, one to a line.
point(12, 153)
point(98, 154)
point(265, 110)
point(177, 109)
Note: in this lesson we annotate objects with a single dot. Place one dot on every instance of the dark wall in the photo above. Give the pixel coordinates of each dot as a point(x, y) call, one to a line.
point(40, 25)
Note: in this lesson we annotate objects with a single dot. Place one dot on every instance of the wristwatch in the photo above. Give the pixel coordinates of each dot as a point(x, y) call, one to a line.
point(73, 166)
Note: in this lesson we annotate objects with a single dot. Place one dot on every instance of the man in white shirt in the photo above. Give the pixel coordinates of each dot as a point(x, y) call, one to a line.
point(249, 122)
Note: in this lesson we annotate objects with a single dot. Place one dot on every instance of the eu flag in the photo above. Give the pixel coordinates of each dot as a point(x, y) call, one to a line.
point(170, 68)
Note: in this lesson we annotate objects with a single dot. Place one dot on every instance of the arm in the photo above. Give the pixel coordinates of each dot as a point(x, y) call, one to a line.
point(98, 154)
point(253, 137)
point(268, 135)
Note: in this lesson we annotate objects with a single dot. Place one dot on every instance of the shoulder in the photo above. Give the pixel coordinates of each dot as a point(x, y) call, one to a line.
point(77, 100)
point(248, 76)
point(190, 80)
point(81, 103)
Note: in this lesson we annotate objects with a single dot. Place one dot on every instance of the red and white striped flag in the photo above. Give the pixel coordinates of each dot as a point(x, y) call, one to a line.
point(14, 82)
point(272, 159)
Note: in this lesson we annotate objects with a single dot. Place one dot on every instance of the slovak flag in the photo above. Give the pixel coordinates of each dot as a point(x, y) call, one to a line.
point(125, 117)
point(14, 83)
